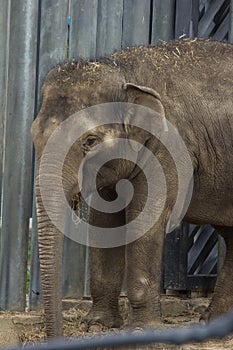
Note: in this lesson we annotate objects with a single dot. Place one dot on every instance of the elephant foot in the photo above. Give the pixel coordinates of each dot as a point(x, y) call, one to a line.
point(145, 318)
point(155, 324)
point(209, 315)
point(205, 317)
point(97, 321)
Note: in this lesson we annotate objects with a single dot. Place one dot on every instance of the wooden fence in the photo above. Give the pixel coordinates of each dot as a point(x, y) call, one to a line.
point(34, 37)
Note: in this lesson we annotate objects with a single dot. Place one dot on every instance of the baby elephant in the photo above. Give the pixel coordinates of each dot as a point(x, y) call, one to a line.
point(147, 136)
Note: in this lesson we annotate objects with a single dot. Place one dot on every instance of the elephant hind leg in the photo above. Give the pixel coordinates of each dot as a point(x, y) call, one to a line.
point(222, 300)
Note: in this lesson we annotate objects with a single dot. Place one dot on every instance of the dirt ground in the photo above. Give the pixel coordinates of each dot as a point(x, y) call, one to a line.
point(28, 328)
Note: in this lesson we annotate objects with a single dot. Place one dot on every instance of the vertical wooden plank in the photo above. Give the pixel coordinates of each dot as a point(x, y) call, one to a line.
point(52, 50)
point(205, 4)
point(184, 230)
point(109, 27)
point(183, 18)
point(163, 20)
point(195, 19)
point(83, 29)
point(221, 252)
point(4, 22)
point(136, 23)
point(223, 29)
point(230, 35)
point(75, 264)
point(175, 257)
point(74, 277)
point(171, 261)
point(83, 44)
point(206, 23)
point(52, 37)
point(18, 154)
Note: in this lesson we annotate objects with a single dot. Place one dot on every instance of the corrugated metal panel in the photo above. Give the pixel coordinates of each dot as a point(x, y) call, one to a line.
point(231, 23)
point(109, 27)
point(4, 37)
point(83, 29)
point(163, 20)
point(136, 23)
point(52, 50)
point(18, 155)
point(183, 23)
point(206, 23)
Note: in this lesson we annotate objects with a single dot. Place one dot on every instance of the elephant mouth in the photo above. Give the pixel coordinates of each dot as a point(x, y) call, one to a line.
point(77, 202)
point(80, 207)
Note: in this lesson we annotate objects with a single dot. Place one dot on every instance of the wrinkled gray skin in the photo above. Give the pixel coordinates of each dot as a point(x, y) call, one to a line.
point(194, 81)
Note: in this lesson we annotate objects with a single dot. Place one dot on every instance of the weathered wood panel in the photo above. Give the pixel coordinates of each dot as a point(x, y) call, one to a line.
point(136, 23)
point(163, 20)
point(51, 50)
point(109, 27)
point(17, 176)
point(230, 37)
point(183, 18)
point(4, 37)
point(83, 29)
point(206, 23)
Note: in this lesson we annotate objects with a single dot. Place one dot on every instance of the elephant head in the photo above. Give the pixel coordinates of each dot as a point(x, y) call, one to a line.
point(62, 96)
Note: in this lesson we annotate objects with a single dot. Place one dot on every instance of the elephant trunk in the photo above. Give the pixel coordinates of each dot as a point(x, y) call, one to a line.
point(50, 241)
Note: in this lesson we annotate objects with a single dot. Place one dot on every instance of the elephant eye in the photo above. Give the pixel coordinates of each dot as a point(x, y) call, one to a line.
point(90, 141)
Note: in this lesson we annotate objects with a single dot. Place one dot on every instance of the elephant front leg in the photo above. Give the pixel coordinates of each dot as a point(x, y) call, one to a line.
point(144, 258)
point(222, 300)
point(107, 272)
point(144, 266)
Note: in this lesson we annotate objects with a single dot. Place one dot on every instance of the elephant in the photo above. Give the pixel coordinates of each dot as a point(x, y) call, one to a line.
point(187, 84)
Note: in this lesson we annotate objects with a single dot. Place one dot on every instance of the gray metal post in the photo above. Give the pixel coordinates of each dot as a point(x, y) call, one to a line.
point(4, 20)
point(163, 20)
point(52, 50)
point(206, 23)
point(82, 43)
point(230, 37)
point(221, 252)
point(136, 23)
point(53, 37)
point(183, 18)
point(83, 29)
point(18, 154)
point(109, 27)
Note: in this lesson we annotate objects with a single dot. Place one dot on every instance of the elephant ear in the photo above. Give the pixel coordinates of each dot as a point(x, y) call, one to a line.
point(145, 96)
point(148, 97)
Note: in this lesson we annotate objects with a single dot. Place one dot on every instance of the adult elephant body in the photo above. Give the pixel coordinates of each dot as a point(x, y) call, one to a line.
point(188, 84)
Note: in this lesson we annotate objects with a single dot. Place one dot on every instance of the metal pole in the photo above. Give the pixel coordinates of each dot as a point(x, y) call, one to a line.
point(163, 20)
point(4, 22)
point(109, 27)
point(52, 50)
point(183, 18)
point(231, 24)
point(18, 154)
point(136, 23)
point(83, 29)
